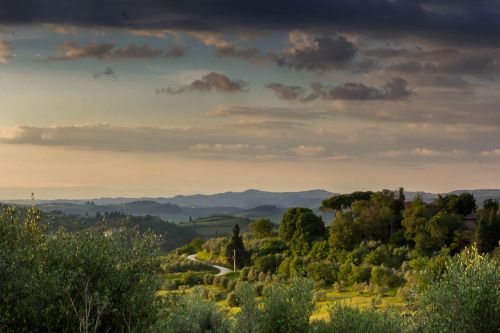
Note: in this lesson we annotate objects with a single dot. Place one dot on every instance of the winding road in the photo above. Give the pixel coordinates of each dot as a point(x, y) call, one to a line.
point(223, 270)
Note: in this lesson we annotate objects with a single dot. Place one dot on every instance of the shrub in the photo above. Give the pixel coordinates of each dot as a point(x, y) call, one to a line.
point(287, 308)
point(268, 263)
point(249, 319)
point(193, 314)
point(216, 296)
point(259, 289)
point(244, 273)
point(208, 279)
point(319, 296)
point(232, 300)
point(466, 298)
point(385, 277)
point(347, 319)
point(231, 284)
point(223, 282)
point(216, 280)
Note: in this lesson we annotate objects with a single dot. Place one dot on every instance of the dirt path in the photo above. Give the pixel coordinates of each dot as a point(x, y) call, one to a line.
point(223, 270)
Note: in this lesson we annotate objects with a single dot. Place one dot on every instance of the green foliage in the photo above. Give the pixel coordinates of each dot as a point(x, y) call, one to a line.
point(339, 202)
point(268, 263)
point(385, 277)
point(232, 299)
point(249, 319)
point(287, 308)
point(71, 282)
point(194, 246)
point(344, 232)
point(487, 233)
point(191, 313)
point(300, 227)
point(261, 228)
point(461, 204)
point(347, 319)
point(430, 231)
point(466, 298)
point(174, 263)
point(235, 248)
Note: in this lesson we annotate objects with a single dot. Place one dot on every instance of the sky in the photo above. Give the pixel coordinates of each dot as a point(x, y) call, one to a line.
point(156, 97)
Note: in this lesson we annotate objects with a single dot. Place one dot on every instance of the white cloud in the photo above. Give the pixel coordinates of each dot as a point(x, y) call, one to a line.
point(309, 151)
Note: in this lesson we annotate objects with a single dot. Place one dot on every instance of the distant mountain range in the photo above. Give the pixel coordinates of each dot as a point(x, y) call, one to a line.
point(249, 204)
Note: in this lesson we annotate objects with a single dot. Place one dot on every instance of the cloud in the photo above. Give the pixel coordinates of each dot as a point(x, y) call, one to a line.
point(220, 148)
point(489, 153)
point(286, 92)
point(309, 151)
point(266, 112)
point(176, 51)
point(61, 29)
point(70, 50)
point(251, 54)
point(97, 136)
point(106, 72)
point(5, 52)
point(210, 82)
point(459, 21)
point(395, 89)
point(324, 53)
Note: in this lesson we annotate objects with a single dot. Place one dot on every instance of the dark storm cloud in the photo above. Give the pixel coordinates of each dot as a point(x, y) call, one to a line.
point(324, 54)
point(395, 89)
point(463, 21)
point(210, 82)
point(70, 50)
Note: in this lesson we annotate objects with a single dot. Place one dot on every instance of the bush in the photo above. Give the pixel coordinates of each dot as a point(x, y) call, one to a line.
point(244, 273)
point(466, 298)
point(231, 284)
point(232, 300)
point(223, 282)
point(193, 314)
point(249, 319)
point(268, 263)
point(72, 281)
point(208, 279)
point(385, 277)
point(319, 296)
point(216, 280)
point(353, 320)
point(216, 296)
point(287, 308)
point(259, 289)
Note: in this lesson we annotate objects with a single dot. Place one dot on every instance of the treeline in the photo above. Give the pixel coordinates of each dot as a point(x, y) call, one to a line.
point(170, 235)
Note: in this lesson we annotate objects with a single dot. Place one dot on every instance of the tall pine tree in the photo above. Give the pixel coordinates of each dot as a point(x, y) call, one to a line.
point(236, 247)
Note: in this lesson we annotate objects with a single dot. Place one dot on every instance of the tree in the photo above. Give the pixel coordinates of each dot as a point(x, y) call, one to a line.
point(415, 219)
point(236, 249)
point(462, 204)
point(261, 228)
point(339, 202)
point(487, 234)
point(344, 232)
point(70, 282)
point(300, 227)
point(376, 217)
point(466, 298)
